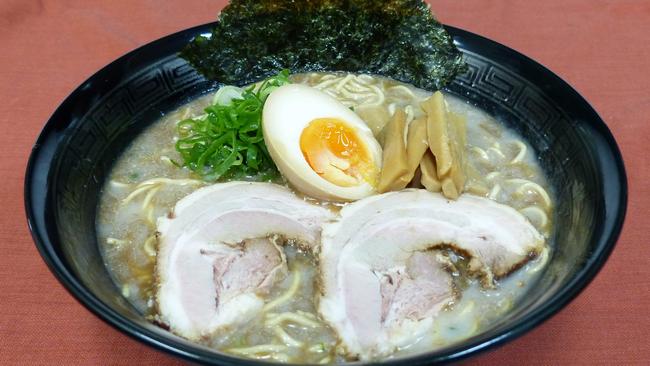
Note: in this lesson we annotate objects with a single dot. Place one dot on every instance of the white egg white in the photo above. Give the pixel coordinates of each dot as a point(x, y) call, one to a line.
point(287, 112)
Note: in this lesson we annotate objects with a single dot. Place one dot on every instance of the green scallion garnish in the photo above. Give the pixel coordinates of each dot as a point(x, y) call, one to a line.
point(227, 142)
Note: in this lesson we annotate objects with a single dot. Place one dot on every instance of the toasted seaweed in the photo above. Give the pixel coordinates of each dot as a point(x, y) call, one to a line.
point(400, 39)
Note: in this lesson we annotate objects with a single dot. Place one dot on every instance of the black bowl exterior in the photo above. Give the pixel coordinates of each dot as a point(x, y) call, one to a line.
point(80, 142)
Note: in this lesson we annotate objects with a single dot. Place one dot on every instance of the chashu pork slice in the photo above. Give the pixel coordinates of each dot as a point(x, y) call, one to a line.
point(217, 253)
point(383, 281)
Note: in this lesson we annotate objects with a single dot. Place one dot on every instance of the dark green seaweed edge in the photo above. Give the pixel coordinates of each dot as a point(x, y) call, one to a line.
point(399, 39)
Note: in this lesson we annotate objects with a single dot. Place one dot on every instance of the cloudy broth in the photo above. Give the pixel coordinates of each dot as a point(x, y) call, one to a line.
point(145, 184)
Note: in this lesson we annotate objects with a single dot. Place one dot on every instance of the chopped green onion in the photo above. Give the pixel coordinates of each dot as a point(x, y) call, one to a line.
point(227, 142)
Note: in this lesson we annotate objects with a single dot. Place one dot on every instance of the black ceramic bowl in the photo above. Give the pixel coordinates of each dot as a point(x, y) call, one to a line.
point(94, 124)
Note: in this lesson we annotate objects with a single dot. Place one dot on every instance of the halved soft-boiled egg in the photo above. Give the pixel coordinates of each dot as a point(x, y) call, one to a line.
point(320, 146)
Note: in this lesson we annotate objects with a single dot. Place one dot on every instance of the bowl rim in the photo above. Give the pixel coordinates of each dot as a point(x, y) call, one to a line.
point(36, 199)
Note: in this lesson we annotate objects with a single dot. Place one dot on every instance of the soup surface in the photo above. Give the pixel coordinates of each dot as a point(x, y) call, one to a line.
point(145, 184)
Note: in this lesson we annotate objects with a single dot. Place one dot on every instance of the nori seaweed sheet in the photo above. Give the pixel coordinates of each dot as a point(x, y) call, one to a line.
point(400, 39)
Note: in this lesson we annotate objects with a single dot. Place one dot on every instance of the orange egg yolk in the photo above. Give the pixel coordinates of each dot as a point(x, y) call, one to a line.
point(334, 150)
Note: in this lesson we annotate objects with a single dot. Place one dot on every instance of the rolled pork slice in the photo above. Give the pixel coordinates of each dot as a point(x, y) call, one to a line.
point(383, 281)
point(218, 253)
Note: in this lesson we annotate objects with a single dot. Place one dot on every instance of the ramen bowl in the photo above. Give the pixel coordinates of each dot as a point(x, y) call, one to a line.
point(85, 135)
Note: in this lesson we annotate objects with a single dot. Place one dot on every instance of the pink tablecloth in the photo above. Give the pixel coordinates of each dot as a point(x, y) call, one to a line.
point(49, 47)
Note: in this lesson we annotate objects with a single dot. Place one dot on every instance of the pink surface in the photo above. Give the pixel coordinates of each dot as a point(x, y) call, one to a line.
point(49, 47)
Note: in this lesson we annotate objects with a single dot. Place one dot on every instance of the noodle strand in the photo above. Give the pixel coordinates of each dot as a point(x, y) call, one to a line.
point(287, 295)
